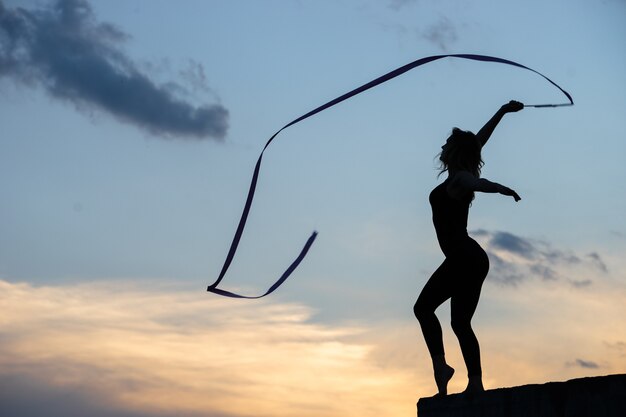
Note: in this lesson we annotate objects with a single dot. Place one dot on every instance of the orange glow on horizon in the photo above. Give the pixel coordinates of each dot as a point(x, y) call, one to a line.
point(166, 350)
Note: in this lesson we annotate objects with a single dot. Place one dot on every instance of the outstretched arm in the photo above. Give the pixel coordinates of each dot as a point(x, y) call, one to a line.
point(464, 182)
point(484, 134)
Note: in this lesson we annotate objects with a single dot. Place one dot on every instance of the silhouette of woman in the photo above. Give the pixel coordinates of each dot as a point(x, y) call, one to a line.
point(461, 275)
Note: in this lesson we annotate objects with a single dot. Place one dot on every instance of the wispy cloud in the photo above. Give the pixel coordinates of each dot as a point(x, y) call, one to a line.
point(442, 33)
point(618, 346)
point(618, 234)
point(137, 350)
point(400, 4)
point(511, 243)
point(583, 364)
point(75, 58)
point(117, 351)
point(597, 260)
point(515, 258)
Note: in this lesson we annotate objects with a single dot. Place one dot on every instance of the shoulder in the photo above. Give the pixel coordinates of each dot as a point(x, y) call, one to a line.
point(460, 184)
point(461, 178)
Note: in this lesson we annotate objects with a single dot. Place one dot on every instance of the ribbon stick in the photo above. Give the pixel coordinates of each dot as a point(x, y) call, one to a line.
point(390, 75)
point(548, 105)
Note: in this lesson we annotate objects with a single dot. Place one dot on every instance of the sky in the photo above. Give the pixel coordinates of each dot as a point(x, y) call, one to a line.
point(128, 135)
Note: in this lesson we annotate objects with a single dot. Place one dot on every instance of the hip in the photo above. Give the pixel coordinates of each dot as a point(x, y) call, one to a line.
point(464, 247)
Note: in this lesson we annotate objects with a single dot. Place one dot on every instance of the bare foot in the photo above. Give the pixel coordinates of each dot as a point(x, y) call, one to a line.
point(474, 386)
point(442, 377)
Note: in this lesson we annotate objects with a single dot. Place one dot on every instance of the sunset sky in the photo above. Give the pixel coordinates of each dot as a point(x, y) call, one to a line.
point(128, 134)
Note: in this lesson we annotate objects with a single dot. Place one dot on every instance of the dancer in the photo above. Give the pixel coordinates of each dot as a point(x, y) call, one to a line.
point(461, 275)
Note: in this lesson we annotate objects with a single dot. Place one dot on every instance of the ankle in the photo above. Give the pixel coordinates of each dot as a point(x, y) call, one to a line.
point(475, 379)
point(439, 362)
point(475, 384)
point(443, 375)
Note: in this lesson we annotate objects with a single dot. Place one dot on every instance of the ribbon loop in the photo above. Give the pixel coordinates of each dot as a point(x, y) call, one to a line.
point(390, 75)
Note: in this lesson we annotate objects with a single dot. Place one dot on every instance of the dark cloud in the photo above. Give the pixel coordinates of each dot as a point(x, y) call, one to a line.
point(581, 283)
point(516, 258)
point(511, 243)
point(443, 34)
point(27, 397)
point(556, 256)
point(597, 260)
point(531, 249)
point(480, 233)
point(545, 272)
point(618, 346)
point(502, 272)
point(75, 58)
point(583, 364)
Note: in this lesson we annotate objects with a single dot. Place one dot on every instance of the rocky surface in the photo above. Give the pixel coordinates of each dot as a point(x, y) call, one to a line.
point(603, 396)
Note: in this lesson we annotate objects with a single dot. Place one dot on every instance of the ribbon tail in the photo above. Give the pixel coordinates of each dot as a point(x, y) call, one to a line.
point(213, 288)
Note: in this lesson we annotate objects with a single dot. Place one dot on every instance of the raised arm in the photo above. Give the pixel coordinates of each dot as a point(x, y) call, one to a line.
point(464, 182)
point(485, 132)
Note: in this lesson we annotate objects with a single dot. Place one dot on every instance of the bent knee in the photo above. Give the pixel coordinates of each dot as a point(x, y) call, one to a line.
point(460, 326)
point(421, 310)
point(417, 310)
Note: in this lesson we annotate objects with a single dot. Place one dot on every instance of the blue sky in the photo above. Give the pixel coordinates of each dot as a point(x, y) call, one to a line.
point(102, 199)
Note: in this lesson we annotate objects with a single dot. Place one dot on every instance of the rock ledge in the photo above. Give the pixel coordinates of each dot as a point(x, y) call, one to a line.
point(603, 396)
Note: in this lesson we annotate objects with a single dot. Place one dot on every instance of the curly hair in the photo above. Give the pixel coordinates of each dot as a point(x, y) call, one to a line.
point(461, 153)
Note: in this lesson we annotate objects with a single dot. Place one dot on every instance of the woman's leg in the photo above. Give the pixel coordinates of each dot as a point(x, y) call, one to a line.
point(435, 292)
point(463, 305)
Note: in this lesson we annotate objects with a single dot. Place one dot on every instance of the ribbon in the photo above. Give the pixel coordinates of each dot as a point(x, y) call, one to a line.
point(390, 75)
